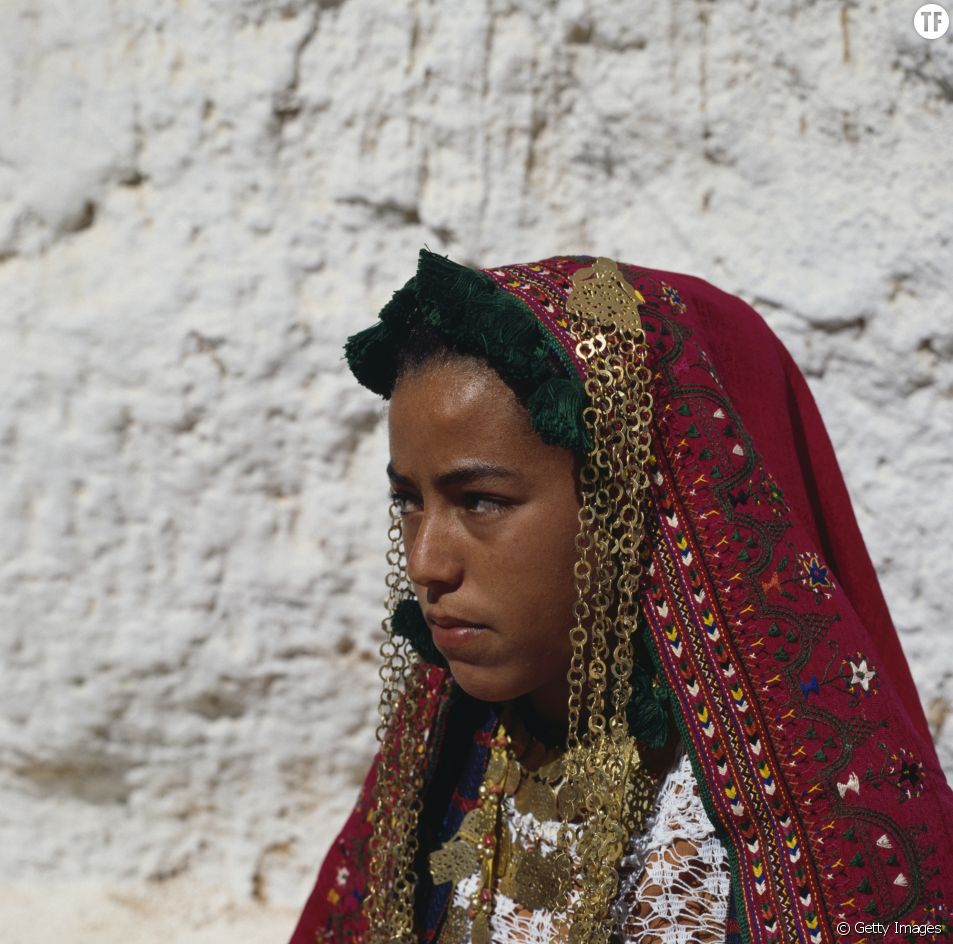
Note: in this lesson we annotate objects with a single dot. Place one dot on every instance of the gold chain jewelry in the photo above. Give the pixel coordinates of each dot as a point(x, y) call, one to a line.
point(602, 763)
point(398, 790)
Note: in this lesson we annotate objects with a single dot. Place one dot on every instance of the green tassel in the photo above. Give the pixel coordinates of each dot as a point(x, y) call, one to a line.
point(509, 337)
point(478, 318)
point(649, 708)
point(647, 712)
point(555, 410)
point(370, 355)
point(399, 313)
point(449, 285)
point(408, 622)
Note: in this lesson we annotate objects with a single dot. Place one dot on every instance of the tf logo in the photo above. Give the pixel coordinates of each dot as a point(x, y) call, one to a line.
point(931, 21)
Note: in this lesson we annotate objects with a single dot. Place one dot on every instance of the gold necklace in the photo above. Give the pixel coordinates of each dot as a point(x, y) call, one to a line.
point(475, 847)
point(508, 851)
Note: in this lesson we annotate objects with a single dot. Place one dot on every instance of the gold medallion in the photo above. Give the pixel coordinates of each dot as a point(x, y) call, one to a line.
point(481, 929)
point(455, 926)
point(602, 294)
point(496, 767)
point(513, 777)
point(537, 798)
point(537, 881)
point(453, 862)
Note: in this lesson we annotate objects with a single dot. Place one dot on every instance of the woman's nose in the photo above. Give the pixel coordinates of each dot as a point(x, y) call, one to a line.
point(432, 558)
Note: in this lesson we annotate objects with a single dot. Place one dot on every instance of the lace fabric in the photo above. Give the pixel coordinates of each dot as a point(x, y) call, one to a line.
point(674, 878)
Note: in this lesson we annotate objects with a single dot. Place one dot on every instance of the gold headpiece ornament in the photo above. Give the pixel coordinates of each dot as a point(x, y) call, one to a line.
point(599, 790)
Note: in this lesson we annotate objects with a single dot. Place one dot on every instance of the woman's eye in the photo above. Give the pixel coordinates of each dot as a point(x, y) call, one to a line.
point(484, 504)
point(404, 503)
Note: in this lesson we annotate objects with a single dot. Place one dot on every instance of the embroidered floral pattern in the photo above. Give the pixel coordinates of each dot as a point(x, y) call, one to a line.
point(862, 680)
point(815, 575)
point(673, 298)
point(907, 772)
point(759, 634)
point(852, 784)
point(775, 497)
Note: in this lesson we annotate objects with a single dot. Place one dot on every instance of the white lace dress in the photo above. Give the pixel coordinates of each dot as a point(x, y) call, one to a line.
point(674, 879)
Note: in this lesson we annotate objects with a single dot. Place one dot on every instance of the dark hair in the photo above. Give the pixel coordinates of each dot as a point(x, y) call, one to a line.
point(425, 345)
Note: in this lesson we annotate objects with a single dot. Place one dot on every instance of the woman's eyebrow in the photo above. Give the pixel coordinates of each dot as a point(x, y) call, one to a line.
point(471, 472)
point(396, 477)
point(465, 474)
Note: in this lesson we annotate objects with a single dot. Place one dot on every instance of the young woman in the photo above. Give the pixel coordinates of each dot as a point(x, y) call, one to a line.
point(640, 683)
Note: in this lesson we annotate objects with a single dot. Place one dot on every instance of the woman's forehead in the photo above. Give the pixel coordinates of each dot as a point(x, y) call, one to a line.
point(458, 413)
point(453, 391)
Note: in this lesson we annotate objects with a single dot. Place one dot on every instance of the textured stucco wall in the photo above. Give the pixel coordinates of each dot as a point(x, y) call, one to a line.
point(200, 200)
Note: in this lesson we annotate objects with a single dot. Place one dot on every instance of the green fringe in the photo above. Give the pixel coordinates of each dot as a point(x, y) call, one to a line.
point(555, 410)
point(648, 708)
point(370, 355)
point(440, 280)
point(408, 622)
point(649, 711)
point(478, 318)
point(400, 312)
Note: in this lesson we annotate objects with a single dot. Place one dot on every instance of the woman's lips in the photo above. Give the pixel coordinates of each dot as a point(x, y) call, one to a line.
point(451, 632)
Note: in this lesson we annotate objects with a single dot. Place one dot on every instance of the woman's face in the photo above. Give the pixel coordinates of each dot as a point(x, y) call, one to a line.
point(490, 519)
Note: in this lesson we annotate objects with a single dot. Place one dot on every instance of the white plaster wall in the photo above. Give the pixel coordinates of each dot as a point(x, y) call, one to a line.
point(200, 200)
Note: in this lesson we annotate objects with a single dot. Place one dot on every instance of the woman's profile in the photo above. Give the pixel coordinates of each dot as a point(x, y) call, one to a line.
point(639, 680)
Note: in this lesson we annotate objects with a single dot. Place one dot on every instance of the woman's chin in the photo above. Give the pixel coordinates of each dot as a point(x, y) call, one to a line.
point(483, 682)
point(492, 683)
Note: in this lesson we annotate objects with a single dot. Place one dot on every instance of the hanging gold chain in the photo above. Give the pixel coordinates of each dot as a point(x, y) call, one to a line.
point(602, 763)
point(398, 790)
